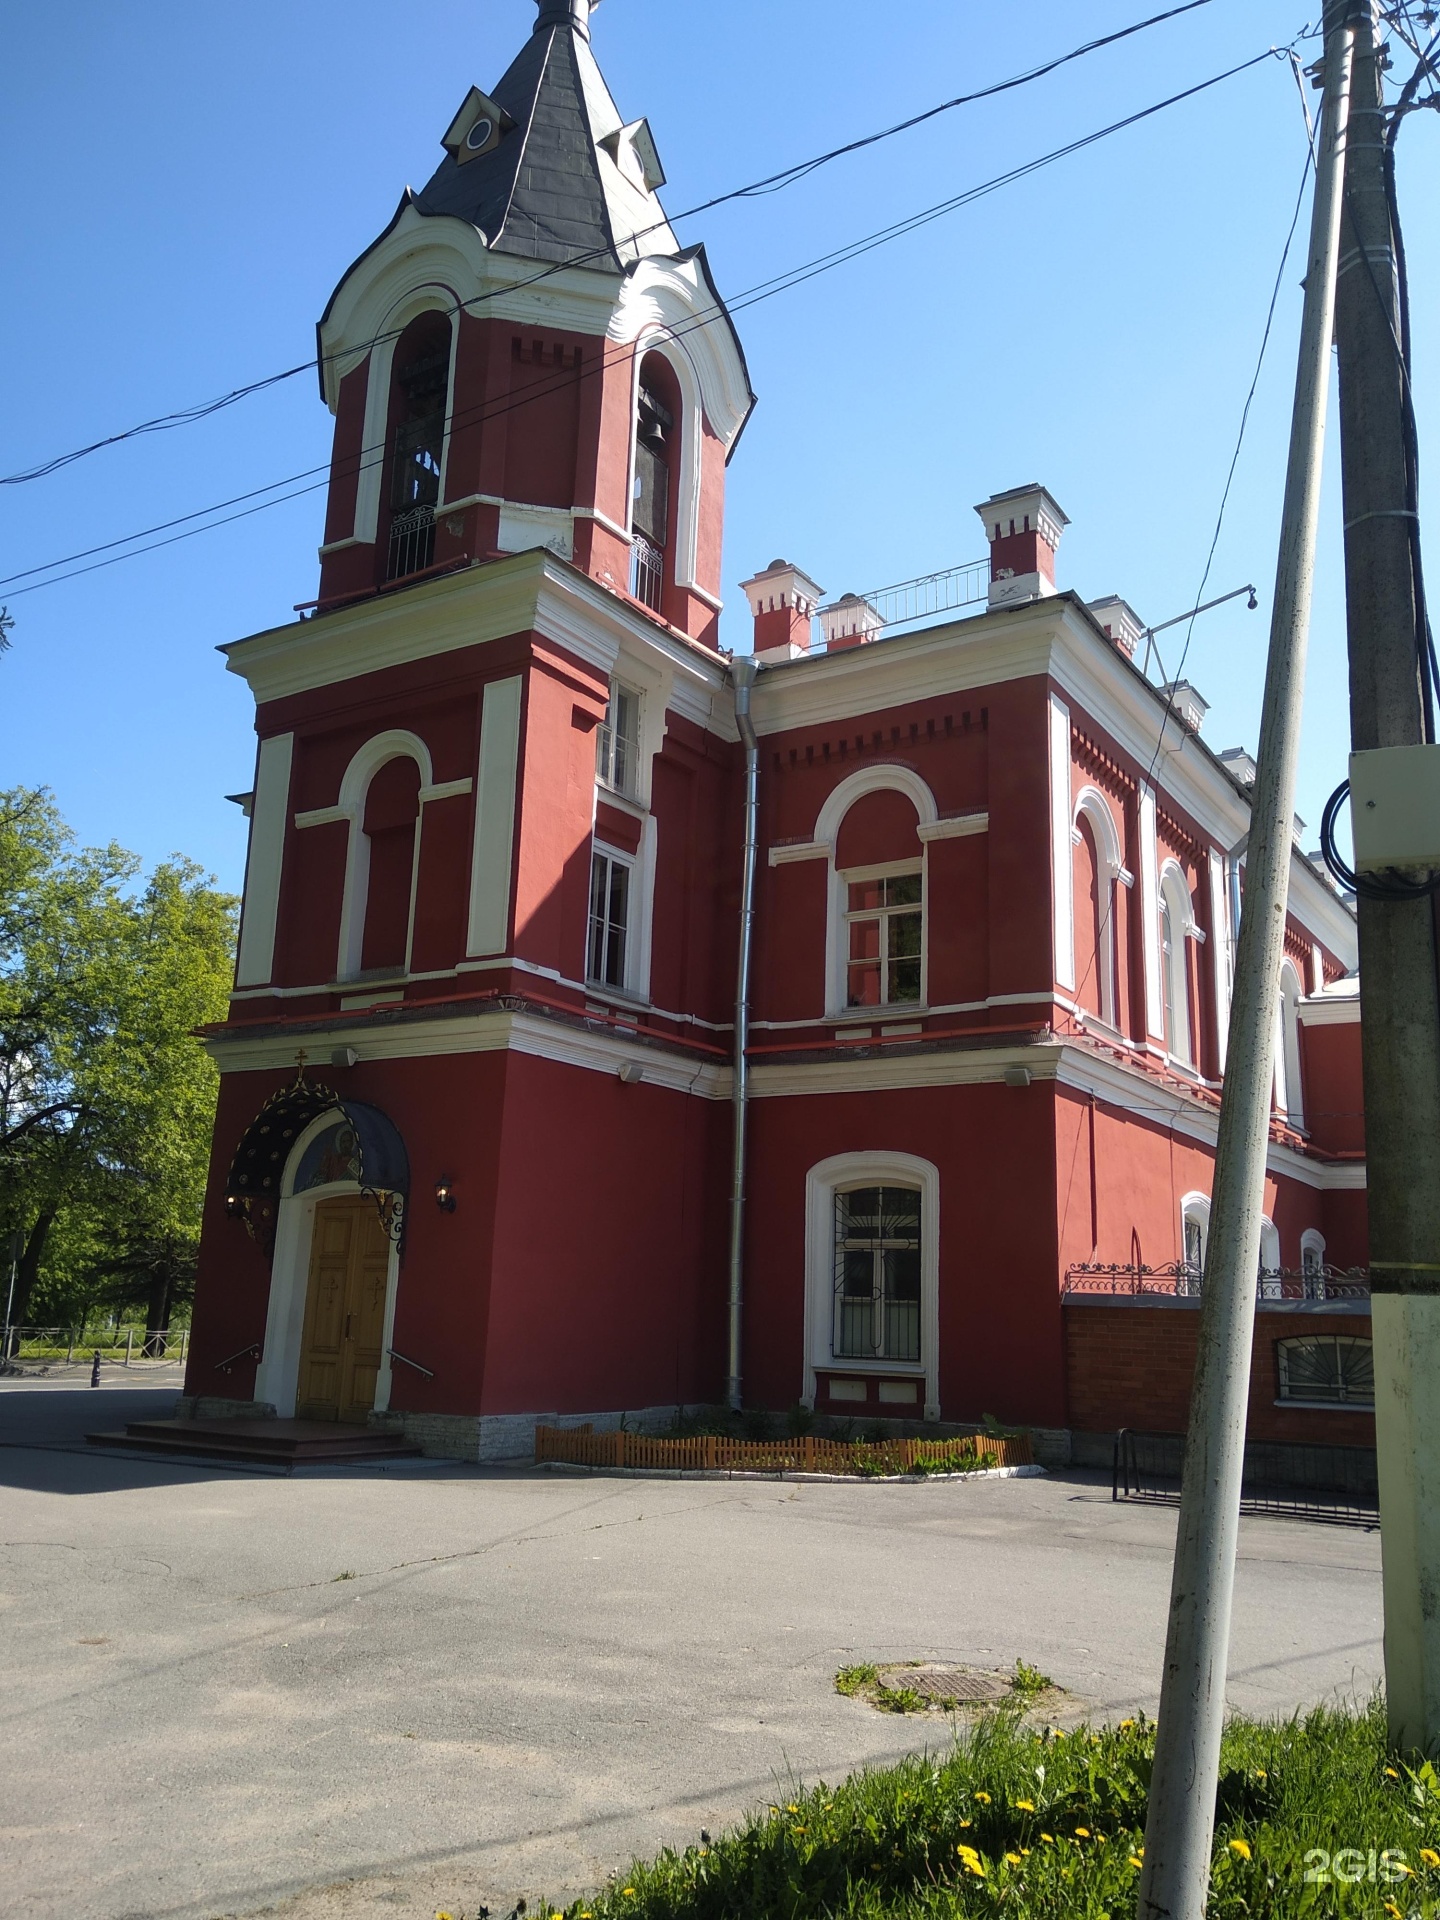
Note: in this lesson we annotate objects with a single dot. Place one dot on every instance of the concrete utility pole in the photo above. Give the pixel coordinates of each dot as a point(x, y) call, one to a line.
point(1400, 1008)
point(1180, 1826)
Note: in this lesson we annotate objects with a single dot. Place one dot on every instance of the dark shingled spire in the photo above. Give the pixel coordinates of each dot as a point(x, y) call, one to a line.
point(541, 192)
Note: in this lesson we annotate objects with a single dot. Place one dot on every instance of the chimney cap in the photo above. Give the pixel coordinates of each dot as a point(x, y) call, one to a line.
point(1037, 503)
point(782, 583)
point(1188, 704)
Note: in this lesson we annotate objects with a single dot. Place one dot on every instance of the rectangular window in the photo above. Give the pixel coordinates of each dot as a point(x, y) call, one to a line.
point(617, 751)
point(1330, 1369)
point(877, 1274)
point(609, 920)
point(885, 940)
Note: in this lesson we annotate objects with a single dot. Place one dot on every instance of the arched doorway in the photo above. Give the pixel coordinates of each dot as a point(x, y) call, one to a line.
point(321, 1184)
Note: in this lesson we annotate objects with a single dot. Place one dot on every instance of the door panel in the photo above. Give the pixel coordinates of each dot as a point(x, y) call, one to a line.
point(365, 1311)
point(344, 1312)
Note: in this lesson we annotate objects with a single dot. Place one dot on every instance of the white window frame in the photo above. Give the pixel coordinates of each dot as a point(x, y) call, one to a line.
point(354, 791)
point(1178, 909)
point(883, 777)
point(607, 737)
point(1092, 807)
point(1289, 1083)
point(822, 1183)
point(685, 534)
point(889, 870)
point(633, 914)
point(1195, 1211)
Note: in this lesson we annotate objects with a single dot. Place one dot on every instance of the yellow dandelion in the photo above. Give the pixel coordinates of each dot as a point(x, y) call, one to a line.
point(441, 1915)
point(1430, 1857)
point(792, 1808)
point(965, 1823)
point(984, 1798)
point(1048, 1838)
point(627, 1890)
point(1242, 1847)
point(1025, 1806)
point(1260, 1774)
point(1013, 1858)
point(1390, 1907)
point(1391, 1774)
point(1126, 1725)
point(1082, 1833)
point(1136, 1862)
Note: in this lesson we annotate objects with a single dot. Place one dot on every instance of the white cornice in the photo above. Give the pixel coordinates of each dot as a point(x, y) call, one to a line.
point(1330, 1013)
point(1057, 637)
point(528, 592)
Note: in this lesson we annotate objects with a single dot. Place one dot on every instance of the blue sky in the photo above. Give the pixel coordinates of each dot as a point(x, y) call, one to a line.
point(185, 185)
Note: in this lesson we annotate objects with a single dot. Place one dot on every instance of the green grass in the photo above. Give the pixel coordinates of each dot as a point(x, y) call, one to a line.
point(1048, 1826)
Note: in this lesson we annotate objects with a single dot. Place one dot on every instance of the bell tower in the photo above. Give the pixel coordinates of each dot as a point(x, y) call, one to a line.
point(527, 357)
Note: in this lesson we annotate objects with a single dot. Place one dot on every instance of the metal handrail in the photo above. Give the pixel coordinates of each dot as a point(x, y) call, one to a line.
point(405, 1362)
point(224, 1366)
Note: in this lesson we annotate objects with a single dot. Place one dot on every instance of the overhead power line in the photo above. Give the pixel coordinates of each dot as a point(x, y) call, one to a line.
point(772, 183)
point(763, 290)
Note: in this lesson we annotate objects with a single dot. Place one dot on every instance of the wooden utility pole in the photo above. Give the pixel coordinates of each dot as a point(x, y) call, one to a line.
point(1400, 1003)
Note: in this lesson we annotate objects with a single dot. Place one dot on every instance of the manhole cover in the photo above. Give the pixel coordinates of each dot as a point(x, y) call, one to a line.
point(946, 1683)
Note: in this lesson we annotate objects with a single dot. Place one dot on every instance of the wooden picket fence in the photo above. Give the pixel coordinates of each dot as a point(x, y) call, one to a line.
point(807, 1453)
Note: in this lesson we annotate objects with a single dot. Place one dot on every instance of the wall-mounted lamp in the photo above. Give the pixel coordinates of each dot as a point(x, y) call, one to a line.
point(445, 1195)
point(632, 1073)
point(1017, 1076)
point(234, 1207)
point(344, 1057)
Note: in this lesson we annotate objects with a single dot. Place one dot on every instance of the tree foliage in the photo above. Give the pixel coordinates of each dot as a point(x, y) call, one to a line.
point(106, 1097)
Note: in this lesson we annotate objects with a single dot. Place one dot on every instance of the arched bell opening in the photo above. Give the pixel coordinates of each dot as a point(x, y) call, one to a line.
point(320, 1182)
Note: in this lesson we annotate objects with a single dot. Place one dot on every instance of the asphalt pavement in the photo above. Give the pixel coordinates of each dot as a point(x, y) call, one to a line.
point(366, 1694)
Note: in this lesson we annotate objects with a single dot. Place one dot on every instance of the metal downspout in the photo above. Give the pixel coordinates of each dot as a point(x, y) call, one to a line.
point(742, 674)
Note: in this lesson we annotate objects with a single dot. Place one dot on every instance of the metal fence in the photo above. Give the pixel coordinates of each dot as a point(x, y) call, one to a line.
point(1183, 1281)
point(1281, 1476)
point(69, 1346)
point(885, 608)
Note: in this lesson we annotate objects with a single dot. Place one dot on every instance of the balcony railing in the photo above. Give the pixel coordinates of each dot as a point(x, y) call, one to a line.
point(412, 542)
point(647, 574)
point(1273, 1285)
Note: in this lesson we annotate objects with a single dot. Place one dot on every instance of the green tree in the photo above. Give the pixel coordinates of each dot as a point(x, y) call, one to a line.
point(106, 1097)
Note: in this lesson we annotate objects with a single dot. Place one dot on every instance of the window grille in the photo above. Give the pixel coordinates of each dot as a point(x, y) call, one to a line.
point(877, 1274)
point(415, 460)
point(609, 920)
point(617, 749)
point(886, 919)
point(1331, 1369)
point(647, 574)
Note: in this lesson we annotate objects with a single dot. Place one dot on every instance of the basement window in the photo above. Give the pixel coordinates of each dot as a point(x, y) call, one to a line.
point(1330, 1370)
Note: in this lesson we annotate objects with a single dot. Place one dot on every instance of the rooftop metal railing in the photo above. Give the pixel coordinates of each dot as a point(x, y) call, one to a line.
point(857, 617)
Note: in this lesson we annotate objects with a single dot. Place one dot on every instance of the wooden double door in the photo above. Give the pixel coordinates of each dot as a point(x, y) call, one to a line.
point(344, 1311)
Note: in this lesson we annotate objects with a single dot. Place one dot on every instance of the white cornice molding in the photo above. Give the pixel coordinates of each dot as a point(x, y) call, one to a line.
point(671, 300)
point(957, 826)
point(1057, 637)
point(445, 252)
point(801, 850)
point(528, 592)
point(1330, 1013)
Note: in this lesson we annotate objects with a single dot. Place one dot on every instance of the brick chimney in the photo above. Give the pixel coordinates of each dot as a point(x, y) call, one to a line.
point(782, 599)
point(1120, 621)
point(1023, 527)
point(851, 622)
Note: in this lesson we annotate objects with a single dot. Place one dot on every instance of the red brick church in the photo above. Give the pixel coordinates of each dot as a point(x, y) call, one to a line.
point(619, 1023)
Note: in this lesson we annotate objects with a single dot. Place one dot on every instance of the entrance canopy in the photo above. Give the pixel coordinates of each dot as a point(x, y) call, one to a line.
point(374, 1156)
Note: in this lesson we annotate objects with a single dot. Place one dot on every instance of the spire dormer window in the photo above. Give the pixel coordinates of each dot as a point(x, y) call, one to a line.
point(419, 389)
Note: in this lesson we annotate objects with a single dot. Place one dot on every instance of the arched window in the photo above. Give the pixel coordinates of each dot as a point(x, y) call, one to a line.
point(1195, 1236)
point(1312, 1263)
point(1097, 870)
point(390, 826)
point(1289, 1090)
point(880, 864)
point(1175, 923)
point(419, 391)
point(657, 464)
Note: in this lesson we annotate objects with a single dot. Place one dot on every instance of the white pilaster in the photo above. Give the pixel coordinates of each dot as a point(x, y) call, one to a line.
point(1062, 852)
point(1150, 916)
point(494, 855)
point(256, 961)
point(1220, 949)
